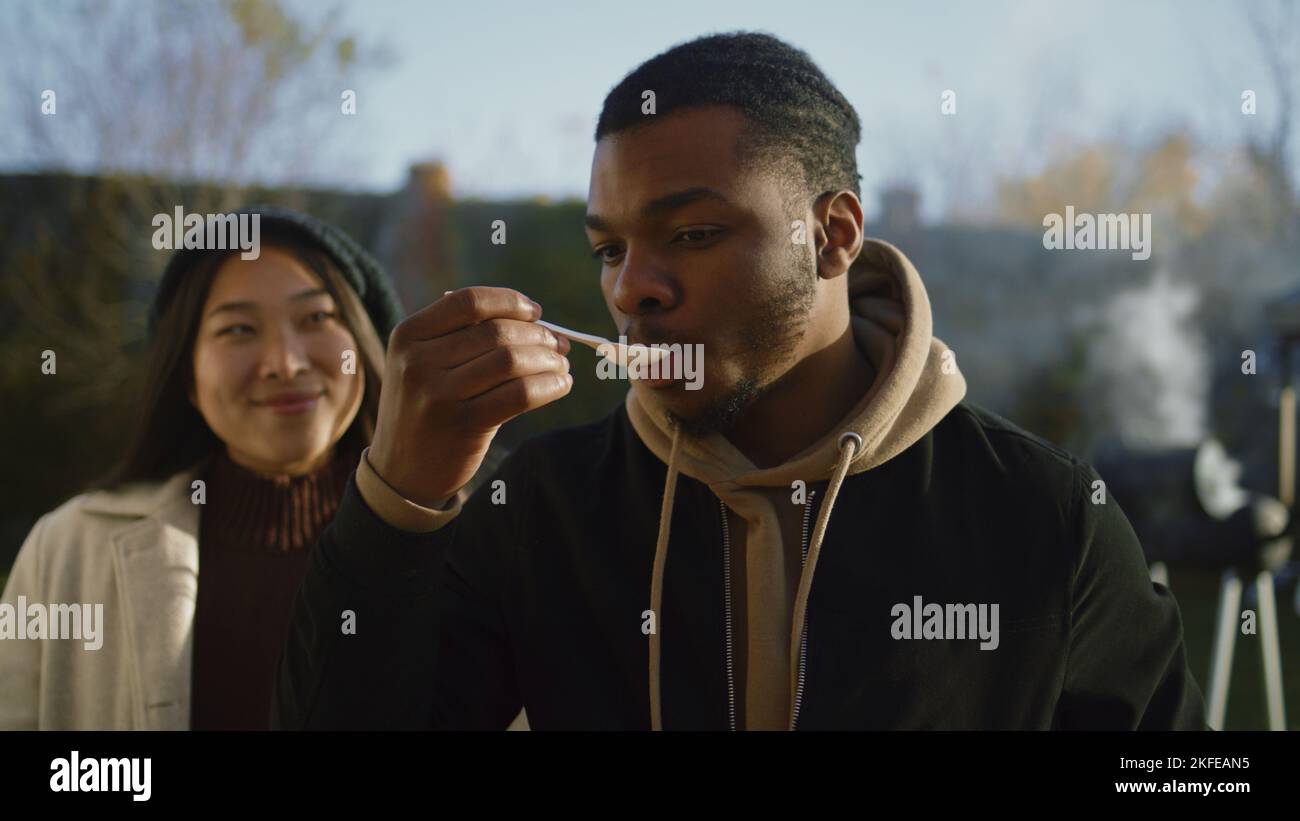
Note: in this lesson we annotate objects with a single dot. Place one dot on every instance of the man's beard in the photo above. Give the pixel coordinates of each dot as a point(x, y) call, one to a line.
point(774, 331)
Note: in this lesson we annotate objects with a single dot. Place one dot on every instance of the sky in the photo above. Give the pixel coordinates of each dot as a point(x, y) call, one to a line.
point(507, 94)
point(508, 98)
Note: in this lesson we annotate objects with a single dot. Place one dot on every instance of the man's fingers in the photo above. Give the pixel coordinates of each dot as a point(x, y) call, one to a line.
point(468, 344)
point(508, 400)
point(501, 365)
point(458, 309)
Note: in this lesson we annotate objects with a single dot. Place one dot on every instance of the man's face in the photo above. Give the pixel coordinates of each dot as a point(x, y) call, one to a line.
point(696, 249)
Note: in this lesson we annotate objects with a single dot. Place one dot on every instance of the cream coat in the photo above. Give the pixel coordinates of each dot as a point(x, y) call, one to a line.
point(134, 550)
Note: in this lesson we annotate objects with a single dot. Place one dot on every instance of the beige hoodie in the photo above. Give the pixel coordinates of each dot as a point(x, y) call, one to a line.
point(915, 386)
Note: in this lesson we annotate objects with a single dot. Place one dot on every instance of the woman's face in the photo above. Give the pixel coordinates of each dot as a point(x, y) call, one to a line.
point(270, 371)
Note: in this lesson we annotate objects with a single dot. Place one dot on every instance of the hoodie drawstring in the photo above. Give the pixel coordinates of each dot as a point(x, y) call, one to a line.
point(850, 443)
point(657, 580)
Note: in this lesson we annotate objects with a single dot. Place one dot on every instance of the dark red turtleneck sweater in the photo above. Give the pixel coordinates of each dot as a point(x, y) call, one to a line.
point(255, 534)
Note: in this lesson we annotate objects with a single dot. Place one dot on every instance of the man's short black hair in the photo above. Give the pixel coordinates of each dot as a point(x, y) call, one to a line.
point(798, 115)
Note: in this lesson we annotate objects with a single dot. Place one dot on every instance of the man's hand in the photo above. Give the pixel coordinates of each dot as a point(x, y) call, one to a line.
point(455, 372)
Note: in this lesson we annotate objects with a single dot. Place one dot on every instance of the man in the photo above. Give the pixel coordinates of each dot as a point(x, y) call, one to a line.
point(823, 536)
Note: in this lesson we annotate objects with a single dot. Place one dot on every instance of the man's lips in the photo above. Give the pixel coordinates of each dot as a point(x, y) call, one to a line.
point(665, 368)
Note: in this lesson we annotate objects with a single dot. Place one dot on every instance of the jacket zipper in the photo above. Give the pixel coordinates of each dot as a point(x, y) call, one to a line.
point(726, 588)
point(803, 639)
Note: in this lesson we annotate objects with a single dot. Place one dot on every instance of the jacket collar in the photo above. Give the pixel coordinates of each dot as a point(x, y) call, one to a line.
point(156, 562)
point(140, 499)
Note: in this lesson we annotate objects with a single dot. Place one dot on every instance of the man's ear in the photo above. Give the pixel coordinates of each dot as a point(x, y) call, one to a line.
point(838, 216)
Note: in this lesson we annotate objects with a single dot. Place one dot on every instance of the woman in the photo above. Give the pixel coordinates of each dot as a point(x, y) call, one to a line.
point(262, 390)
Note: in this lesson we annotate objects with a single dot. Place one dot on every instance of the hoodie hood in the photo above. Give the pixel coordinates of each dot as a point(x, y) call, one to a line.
point(916, 384)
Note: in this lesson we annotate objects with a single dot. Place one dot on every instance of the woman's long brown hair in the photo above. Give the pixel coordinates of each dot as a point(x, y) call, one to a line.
point(170, 435)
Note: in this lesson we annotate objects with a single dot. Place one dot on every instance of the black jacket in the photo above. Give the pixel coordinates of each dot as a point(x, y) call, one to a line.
point(538, 602)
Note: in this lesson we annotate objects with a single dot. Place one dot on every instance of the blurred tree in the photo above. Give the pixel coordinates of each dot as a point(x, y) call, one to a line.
point(230, 91)
point(1159, 179)
point(1051, 400)
point(1275, 25)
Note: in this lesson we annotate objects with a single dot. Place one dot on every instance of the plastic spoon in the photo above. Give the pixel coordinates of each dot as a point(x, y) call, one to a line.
point(615, 352)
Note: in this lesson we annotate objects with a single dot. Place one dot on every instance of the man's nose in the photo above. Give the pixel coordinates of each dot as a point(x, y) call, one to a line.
point(644, 285)
point(283, 355)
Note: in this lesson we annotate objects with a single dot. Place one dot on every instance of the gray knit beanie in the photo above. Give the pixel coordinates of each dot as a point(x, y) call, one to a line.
point(358, 268)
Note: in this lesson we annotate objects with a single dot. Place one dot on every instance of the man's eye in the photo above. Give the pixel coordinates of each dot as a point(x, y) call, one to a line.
point(690, 237)
point(695, 235)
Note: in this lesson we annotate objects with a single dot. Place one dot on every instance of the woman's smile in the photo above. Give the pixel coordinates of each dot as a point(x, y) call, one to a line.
point(288, 403)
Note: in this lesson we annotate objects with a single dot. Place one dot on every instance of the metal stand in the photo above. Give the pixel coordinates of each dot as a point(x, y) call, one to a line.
point(1271, 651)
point(1225, 638)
